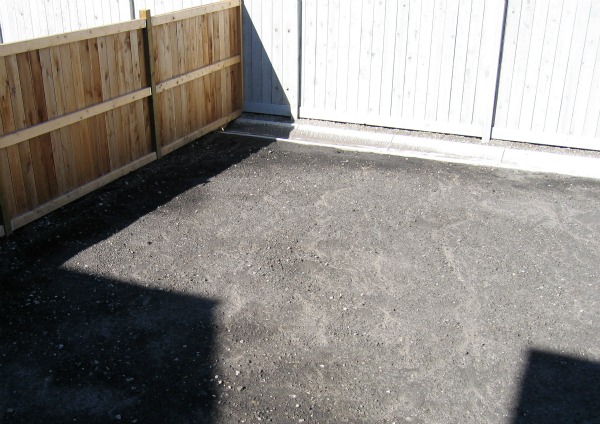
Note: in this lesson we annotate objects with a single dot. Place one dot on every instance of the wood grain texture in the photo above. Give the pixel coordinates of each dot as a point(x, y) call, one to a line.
point(74, 114)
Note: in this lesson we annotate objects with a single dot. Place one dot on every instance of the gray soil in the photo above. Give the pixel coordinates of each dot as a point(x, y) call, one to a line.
point(241, 281)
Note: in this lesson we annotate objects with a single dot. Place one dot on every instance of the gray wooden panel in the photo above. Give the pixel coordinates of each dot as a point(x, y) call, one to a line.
point(549, 91)
point(22, 20)
point(416, 64)
point(271, 56)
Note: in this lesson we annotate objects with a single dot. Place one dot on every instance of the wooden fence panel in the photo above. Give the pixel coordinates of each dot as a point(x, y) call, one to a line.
point(424, 65)
point(548, 90)
point(42, 86)
point(198, 67)
point(76, 109)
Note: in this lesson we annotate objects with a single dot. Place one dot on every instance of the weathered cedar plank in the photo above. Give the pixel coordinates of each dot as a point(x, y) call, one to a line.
point(20, 121)
point(6, 125)
point(159, 70)
point(51, 109)
point(120, 77)
point(83, 147)
point(138, 112)
point(169, 117)
point(90, 124)
point(183, 50)
point(41, 147)
point(49, 172)
point(129, 83)
point(61, 62)
point(190, 64)
point(105, 82)
point(102, 152)
point(144, 82)
point(119, 158)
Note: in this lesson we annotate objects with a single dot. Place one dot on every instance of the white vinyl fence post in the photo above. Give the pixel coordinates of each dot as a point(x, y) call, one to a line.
point(492, 88)
point(132, 9)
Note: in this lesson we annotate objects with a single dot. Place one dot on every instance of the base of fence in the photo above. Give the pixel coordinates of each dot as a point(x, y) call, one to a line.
point(46, 208)
point(199, 133)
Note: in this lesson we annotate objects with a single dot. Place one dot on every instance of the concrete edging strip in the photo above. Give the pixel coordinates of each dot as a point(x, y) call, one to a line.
point(433, 149)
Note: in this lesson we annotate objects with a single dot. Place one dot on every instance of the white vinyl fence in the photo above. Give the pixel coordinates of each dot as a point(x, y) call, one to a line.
point(24, 19)
point(423, 65)
point(271, 56)
point(549, 89)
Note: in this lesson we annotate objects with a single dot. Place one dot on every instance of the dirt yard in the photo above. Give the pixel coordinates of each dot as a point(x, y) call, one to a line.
point(242, 281)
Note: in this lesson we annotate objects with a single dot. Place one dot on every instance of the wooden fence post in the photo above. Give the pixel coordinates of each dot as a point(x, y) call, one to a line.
point(495, 72)
point(149, 56)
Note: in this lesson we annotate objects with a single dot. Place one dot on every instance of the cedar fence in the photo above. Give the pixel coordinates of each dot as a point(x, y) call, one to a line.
point(79, 110)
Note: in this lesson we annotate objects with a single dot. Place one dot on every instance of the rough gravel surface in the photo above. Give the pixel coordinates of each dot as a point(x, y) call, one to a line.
point(241, 281)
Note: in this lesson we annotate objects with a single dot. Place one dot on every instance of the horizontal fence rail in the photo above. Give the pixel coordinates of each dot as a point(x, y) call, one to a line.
point(81, 109)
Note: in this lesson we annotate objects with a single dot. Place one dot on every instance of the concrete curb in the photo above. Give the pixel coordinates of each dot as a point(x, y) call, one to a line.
point(425, 148)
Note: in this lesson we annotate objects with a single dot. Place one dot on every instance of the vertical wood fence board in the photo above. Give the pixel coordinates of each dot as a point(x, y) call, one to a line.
point(109, 117)
point(20, 121)
point(51, 110)
point(88, 100)
point(95, 96)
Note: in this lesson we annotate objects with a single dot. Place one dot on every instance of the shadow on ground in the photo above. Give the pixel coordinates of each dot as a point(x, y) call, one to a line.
point(85, 348)
point(559, 389)
point(76, 347)
point(97, 348)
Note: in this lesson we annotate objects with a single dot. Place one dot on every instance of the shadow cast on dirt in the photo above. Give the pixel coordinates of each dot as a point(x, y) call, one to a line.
point(86, 348)
point(558, 389)
point(78, 347)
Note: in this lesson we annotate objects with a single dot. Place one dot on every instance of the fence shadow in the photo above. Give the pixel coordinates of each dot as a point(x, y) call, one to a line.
point(264, 92)
point(558, 389)
point(79, 347)
point(75, 346)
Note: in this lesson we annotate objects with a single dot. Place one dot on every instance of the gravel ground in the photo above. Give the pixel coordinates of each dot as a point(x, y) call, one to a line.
point(241, 281)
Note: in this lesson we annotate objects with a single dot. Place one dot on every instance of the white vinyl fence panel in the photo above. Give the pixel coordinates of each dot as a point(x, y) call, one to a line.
point(415, 64)
point(25, 19)
point(271, 56)
point(549, 89)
